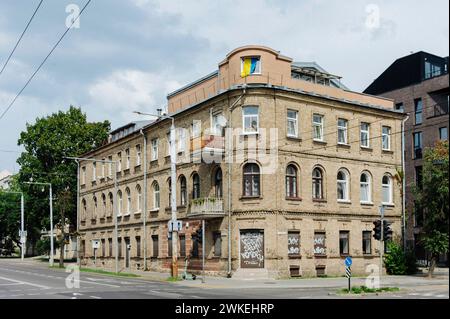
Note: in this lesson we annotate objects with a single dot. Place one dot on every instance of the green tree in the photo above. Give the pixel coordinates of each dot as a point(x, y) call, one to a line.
point(433, 196)
point(46, 143)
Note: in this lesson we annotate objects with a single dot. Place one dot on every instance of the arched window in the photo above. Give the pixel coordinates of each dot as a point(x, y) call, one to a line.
point(128, 194)
point(94, 213)
point(386, 189)
point(84, 209)
point(120, 203)
point(218, 183)
point(183, 190)
point(195, 186)
point(138, 198)
point(103, 205)
point(364, 186)
point(291, 181)
point(317, 183)
point(342, 185)
point(111, 204)
point(251, 182)
point(156, 198)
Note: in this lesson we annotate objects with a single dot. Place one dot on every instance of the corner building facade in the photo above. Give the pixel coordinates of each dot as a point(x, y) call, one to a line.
point(331, 157)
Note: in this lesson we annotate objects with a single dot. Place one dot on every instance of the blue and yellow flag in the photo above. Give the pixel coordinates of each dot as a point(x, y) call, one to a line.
point(249, 66)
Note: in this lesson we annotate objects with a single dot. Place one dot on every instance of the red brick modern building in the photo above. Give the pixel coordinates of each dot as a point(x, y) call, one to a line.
point(419, 85)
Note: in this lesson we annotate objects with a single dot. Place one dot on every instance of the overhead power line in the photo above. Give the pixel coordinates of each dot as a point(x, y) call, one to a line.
point(42, 63)
point(21, 36)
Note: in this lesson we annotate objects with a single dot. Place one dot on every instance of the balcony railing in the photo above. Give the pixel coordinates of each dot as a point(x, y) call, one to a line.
point(209, 207)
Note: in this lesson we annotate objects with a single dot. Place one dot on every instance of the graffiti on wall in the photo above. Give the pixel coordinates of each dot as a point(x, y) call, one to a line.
point(252, 249)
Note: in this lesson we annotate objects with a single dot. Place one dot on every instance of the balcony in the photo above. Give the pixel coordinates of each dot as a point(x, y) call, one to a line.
point(205, 208)
point(208, 147)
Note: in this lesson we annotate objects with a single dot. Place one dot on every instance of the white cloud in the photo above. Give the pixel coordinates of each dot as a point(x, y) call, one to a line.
point(127, 90)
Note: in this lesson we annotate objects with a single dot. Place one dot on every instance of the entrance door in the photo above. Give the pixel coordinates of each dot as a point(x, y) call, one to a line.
point(252, 248)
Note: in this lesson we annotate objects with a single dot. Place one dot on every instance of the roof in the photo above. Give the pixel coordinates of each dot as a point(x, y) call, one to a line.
point(313, 65)
point(136, 124)
point(404, 72)
point(192, 84)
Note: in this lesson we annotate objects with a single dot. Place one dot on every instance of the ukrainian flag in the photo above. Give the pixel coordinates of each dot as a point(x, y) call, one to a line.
point(249, 66)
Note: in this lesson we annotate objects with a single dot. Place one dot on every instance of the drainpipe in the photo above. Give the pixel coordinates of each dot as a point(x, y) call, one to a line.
point(404, 183)
point(144, 198)
point(230, 157)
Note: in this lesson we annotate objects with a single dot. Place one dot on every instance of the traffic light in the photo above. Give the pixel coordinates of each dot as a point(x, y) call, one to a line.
point(377, 230)
point(387, 231)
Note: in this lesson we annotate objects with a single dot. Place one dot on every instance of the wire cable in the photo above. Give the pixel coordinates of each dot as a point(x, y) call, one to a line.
point(21, 36)
point(42, 63)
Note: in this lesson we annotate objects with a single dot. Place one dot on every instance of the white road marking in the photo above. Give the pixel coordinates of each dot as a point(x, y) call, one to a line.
point(12, 284)
point(95, 297)
point(25, 283)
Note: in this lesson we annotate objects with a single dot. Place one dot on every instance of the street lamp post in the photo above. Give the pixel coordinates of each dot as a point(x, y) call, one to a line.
point(173, 199)
point(116, 230)
point(51, 217)
point(22, 225)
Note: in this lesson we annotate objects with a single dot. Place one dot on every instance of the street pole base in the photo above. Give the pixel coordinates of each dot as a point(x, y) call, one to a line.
point(174, 270)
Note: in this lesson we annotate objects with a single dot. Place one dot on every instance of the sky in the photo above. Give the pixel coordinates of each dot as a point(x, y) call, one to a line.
point(128, 55)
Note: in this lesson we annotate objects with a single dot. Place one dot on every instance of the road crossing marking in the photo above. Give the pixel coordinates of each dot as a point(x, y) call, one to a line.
point(25, 283)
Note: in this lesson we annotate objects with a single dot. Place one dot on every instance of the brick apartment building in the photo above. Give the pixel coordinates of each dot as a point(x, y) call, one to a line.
point(331, 161)
point(418, 83)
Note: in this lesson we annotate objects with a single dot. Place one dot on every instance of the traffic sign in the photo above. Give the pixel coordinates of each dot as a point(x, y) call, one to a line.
point(22, 233)
point(348, 261)
point(348, 272)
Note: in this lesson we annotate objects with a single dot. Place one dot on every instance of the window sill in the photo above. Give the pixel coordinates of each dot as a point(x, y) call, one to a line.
point(344, 201)
point(126, 171)
point(319, 142)
point(317, 200)
point(320, 256)
point(343, 145)
point(244, 134)
point(387, 151)
point(293, 138)
point(295, 256)
point(388, 204)
point(366, 148)
point(344, 255)
point(138, 212)
point(154, 210)
point(297, 199)
point(250, 197)
point(366, 203)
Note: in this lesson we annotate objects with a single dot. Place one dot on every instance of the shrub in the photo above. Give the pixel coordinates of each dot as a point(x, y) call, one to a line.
point(397, 262)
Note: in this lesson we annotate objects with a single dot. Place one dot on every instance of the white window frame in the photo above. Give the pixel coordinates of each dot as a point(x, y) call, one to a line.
point(344, 129)
point(257, 72)
point(294, 121)
point(119, 162)
point(94, 171)
point(168, 144)
point(155, 143)
point(138, 154)
point(103, 168)
point(389, 187)
point(127, 158)
point(346, 183)
point(216, 128)
point(110, 166)
point(244, 116)
point(319, 125)
point(369, 188)
point(128, 207)
point(119, 203)
point(139, 199)
point(83, 175)
point(363, 131)
point(181, 139)
point(156, 193)
point(386, 136)
point(196, 128)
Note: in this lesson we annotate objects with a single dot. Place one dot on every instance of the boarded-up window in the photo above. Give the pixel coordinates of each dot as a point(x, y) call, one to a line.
point(319, 243)
point(320, 271)
point(182, 245)
point(294, 271)
point(217, 244)
point(293, 243)
point(155, 241)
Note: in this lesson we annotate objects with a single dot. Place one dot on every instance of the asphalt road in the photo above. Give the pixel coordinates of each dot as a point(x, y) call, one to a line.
point(32, 280)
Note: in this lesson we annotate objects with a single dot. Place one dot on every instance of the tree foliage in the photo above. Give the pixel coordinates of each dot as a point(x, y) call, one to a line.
point(46, 143)
point(434, 198)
